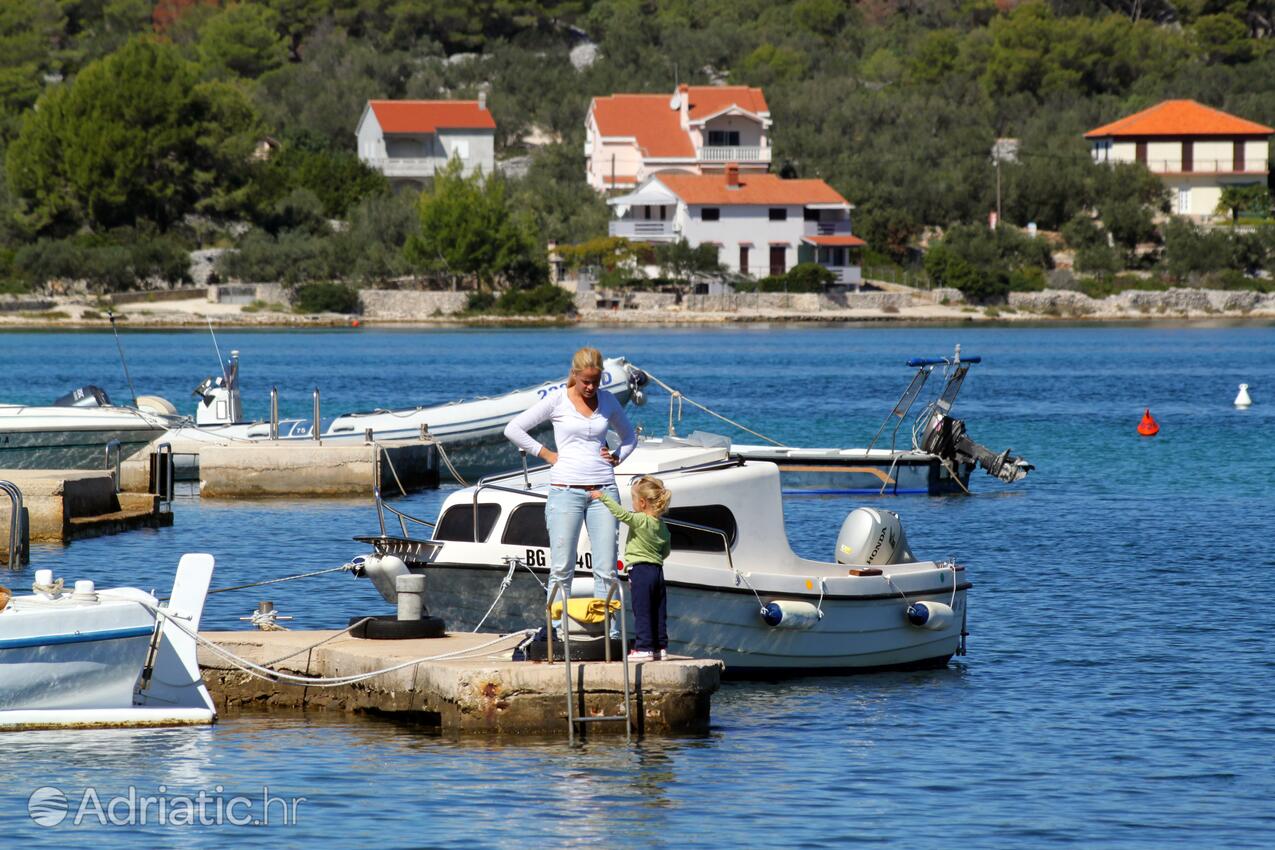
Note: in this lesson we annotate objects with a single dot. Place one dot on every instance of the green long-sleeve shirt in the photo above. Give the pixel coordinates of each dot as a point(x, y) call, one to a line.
point(648, 541)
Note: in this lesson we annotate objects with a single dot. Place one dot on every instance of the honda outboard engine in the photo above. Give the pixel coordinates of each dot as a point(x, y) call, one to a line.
point(872, 537)
point(946, 438)
point(86, 396)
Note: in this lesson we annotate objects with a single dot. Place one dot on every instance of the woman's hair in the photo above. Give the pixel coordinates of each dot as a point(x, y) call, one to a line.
point(653, 491)
point(585, 358)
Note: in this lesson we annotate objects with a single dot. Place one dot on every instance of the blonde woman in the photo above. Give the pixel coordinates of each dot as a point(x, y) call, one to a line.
point(581, 415)
point(648, 545)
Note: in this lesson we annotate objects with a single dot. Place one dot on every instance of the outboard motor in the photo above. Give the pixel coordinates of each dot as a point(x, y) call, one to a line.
point(637, 380)
point(219, 397)
point(872, 537)
point(946, 438)
point(86, 396)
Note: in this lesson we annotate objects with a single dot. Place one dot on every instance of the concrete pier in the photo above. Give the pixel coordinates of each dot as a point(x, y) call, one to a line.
point(485, 695)
point(313, 468)
point(69, 504)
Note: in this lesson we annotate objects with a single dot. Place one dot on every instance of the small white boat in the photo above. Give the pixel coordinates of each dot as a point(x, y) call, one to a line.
point(74, 432)
point(736, 590)
point(471, 430)
point(89, 657)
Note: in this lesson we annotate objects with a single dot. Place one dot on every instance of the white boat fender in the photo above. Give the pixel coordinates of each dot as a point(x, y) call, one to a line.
point(931, 615)
point(384, 571)
point(790, 614)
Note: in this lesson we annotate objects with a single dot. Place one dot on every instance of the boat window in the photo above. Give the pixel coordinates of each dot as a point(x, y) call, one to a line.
point(457, 522)
point(526, 527)
point(694, 540)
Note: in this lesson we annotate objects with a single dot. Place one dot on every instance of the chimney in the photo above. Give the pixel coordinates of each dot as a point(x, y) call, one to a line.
point(684, 92)
point(482, 100)
point(732, 175)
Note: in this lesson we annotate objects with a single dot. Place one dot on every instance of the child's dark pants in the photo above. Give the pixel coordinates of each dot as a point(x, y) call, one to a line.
point(648, 597)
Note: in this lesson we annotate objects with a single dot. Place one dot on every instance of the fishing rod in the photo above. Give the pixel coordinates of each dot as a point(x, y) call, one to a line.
point(225, 377)
point(123, 362)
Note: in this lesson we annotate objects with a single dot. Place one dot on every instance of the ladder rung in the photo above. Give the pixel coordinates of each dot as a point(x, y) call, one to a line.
point(598, 718)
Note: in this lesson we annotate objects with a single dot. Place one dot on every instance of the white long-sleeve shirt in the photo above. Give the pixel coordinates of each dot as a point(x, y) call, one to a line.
point(579, 438)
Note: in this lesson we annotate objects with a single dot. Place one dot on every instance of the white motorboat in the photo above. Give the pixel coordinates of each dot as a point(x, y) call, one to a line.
point(89, 657)
point(471, 430)
point(736, 590)
point(74, 432)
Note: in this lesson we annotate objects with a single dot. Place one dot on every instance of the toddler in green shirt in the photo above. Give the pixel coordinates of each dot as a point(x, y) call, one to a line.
point(644, 553)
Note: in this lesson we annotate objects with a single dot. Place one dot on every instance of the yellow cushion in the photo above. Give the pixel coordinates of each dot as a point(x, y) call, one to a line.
point(584, 610)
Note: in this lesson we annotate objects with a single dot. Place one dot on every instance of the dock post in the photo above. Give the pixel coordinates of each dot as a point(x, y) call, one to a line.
point(274, 413)
point(411, 596)
point(114, 447)
point(315, 430)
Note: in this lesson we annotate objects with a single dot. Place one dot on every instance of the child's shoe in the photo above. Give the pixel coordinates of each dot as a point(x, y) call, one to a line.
point(636, 655)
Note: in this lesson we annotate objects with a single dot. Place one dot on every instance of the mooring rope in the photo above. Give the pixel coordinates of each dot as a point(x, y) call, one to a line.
point(442, 453)
point(682, 397)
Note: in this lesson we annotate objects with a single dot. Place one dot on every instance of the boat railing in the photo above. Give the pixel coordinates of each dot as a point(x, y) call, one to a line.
point(15, 518)
point(403, 518)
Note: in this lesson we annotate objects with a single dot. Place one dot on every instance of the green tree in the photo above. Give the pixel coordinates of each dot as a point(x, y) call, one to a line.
point(469, 228)
point(682, 264)
point(27, 29)
point(243, 40)
point(134, 138)
point(1249, 198)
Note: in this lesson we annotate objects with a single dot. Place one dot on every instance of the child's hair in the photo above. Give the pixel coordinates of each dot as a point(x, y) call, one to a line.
point(653, 491)
point(585, 358)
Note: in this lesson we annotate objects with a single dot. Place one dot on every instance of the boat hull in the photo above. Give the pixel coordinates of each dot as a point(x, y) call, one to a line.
point(722, 622)
point(46, 662)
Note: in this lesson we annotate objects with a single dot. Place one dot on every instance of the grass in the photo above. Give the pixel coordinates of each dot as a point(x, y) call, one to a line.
point(259, 306)
point(45, 314)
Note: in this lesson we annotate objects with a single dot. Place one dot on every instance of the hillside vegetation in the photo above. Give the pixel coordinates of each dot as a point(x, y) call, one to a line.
point(129, 128)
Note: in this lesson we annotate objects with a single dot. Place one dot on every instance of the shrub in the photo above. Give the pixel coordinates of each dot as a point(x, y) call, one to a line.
point(480, 302)
point(547, 299)
point(109, 263)
point(326, 298)
point(809, 277)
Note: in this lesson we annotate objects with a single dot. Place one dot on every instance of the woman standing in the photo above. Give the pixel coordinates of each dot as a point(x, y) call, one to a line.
point(581, 415)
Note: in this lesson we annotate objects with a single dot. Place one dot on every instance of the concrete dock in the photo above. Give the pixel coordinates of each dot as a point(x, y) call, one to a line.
point(62, 505)
point(306, 468)
point(484, 695)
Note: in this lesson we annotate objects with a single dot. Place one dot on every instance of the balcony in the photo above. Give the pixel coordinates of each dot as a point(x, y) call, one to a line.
point(641, 230)
point(846, 275)
point(839, 227)
point(402, 166)
point(734, 153)
point(1205, 166)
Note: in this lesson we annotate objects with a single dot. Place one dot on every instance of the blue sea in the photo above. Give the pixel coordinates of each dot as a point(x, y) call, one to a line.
point(1117, 691)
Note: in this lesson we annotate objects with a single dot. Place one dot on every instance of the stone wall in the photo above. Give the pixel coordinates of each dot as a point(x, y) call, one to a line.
point(23, 304)
point(1142, 302)
point(411, 305)
point(246, 293)
point(801, 302)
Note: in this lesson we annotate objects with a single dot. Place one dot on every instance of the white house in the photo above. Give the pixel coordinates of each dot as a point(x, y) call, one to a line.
point(1195, 150)
point(407, 140)
point(761, 224)
point(697, 130)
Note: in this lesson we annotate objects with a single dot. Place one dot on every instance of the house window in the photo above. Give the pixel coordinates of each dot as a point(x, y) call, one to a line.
point(711, 214)
point(743, 259)
point(778, 213)
point(1140, 152)
point(1237, 149)
point(1184, 201)
point(807, 214)
point(778, 260)
point(1188, 156)
point(723, 138)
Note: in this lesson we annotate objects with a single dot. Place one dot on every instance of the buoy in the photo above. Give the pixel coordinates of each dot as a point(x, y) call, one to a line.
point(1242, 400)
point(354, 323)
point(1148, 427)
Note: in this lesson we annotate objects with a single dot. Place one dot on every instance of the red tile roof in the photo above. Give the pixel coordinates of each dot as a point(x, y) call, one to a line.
point(657, 127)
point(1180, 118)
point(753, 190)
point(835, 241)
point(426, 116)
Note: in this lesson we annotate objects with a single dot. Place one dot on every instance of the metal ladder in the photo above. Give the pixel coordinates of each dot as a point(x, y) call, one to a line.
point(615, 589)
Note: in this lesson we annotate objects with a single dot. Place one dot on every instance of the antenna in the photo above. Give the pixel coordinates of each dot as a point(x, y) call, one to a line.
point(110, 315)
point(225, 378)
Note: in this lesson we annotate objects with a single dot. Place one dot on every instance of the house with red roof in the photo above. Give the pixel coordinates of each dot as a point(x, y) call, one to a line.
point(408, 140)
point(761, 224)
point(697, 130)
point(1195, 149)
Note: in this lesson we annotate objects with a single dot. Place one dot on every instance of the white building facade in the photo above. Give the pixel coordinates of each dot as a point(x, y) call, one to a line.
point(1195, 150)
point(696, 130)
point(409, 140)
point(762, 225)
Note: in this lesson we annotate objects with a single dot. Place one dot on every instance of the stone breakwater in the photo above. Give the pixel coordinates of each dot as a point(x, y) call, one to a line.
point(1141, 303)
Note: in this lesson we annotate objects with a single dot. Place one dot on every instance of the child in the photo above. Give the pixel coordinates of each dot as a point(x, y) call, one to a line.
point(644, 552)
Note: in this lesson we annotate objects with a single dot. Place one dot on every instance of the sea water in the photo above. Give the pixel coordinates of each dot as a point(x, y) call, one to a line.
point(1117, 691)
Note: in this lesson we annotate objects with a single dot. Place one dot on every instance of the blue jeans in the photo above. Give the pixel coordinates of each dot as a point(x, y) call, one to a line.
point(567, 509)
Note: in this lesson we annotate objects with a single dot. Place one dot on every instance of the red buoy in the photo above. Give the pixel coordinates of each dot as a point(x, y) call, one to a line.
point(354, 323)
point(1148, 427)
